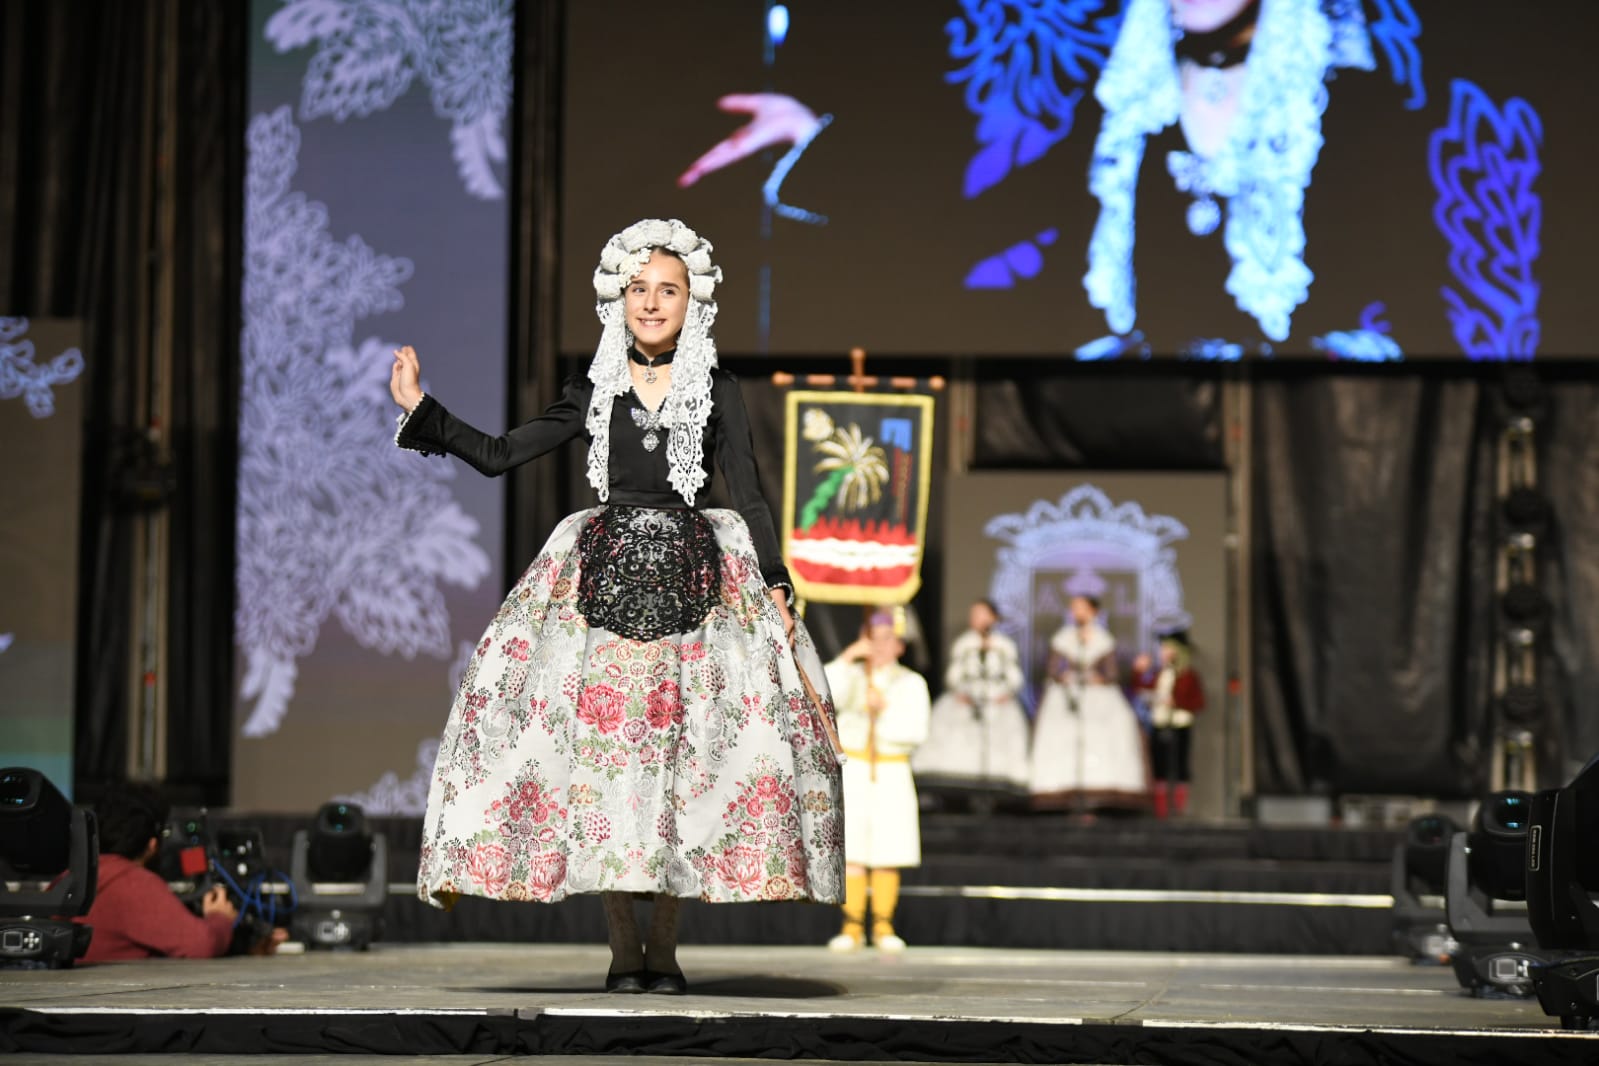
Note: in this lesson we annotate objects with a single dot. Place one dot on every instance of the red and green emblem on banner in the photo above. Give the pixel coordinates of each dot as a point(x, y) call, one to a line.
point(855, 489)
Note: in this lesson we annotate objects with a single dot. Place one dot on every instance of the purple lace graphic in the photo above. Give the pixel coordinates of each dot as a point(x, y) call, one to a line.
point(1484, 161)
point(1027, 64)
point(1395, 30)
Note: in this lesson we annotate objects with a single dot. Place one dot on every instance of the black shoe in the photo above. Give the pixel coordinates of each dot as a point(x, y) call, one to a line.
point(630, 983)
point(665, 984)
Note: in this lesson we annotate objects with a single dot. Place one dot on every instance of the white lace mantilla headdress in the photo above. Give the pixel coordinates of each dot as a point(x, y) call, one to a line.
point(688, 406)
point(1262, 171)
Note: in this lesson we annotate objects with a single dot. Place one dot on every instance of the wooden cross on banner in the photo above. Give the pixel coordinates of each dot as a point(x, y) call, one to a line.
point(858, 380)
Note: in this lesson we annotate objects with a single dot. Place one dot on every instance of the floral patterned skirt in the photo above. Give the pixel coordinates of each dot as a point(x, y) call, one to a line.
point(575, 760)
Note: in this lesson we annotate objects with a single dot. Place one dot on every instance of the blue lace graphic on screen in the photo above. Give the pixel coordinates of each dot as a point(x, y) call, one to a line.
point(1213, 350)
point(1395, 30)
point(34, 382)
point(370, 51)
point(333, 520)
point(1026, 67)
point(1370, 343)
point(1022, 260)
point(1484, 161)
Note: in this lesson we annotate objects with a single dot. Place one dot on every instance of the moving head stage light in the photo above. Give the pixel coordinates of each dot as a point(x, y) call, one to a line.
point(1418, 883)
point(1562, 865)
point(1485, 873)
point(343, 874)
point(49, 863)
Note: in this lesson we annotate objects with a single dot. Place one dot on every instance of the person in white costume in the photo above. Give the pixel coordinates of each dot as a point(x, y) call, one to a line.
point(1088, 751)
point(883, 713)
point(978, 738)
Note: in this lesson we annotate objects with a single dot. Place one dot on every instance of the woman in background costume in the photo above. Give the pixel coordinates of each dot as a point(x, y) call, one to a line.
point(1088, 751)
point(978, 738)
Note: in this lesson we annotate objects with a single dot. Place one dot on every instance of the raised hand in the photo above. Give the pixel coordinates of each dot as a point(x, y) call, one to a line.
point(405, 380)
point(774, 119)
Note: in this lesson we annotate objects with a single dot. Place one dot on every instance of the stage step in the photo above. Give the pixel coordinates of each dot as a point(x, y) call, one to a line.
point(1008, 881)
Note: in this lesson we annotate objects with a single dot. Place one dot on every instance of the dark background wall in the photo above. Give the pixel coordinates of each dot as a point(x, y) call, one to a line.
point(1373, 527)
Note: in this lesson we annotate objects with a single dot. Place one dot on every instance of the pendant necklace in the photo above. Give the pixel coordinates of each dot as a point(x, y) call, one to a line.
point(650, 423)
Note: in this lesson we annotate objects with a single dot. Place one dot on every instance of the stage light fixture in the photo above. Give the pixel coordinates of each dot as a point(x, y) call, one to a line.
point(342, 872)
point(1485, 879)
point(1418, 881)
point(49, 863)
point(1525, 508)
point(1521, 704)
point(1525, 606)
point(1523, 391)
point(1562, 861)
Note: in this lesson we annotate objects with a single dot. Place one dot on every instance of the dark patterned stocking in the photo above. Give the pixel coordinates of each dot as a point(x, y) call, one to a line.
point(661, 950)
point(621, 927)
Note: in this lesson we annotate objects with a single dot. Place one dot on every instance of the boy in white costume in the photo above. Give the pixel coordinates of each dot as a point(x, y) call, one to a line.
point(883, 712)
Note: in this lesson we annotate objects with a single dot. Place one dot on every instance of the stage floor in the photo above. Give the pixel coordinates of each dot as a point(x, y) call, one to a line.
point(931, 1004)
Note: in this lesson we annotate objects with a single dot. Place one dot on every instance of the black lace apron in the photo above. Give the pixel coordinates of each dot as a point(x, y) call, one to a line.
point(647, 572)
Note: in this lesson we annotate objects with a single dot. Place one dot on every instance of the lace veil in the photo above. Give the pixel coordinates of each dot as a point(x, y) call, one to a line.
point(688, 406)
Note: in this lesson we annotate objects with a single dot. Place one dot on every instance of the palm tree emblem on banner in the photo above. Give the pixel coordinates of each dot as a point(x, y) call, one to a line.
point(855, 490)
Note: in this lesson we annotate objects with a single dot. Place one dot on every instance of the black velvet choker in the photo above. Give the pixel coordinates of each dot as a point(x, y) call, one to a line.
point(1220, 48)
point(643, 360)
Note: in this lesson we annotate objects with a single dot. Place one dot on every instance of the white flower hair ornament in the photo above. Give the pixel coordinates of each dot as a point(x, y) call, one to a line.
point(687, 406)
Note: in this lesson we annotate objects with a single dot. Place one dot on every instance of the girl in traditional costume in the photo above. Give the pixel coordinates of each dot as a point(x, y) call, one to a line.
point(644, 715)
point(978, 740)
point(1087, 748)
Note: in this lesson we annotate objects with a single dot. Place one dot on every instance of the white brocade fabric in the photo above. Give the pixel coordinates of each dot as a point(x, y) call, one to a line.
point(575, 760)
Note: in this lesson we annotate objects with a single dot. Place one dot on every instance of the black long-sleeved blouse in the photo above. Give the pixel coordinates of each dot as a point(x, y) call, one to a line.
point(638, 476)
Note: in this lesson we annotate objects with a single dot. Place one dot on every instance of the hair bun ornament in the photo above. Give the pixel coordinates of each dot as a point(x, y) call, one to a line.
point(625, 254)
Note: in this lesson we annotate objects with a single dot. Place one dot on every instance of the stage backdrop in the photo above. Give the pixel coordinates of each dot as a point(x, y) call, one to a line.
point(1377, 179)
point(375, 215)
point(1151, 546)
point(41, 438)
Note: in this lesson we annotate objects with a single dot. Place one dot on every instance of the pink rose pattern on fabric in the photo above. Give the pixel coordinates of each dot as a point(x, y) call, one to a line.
point(579, 761)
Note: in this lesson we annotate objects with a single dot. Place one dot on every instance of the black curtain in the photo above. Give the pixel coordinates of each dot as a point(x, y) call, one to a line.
point(1036, 414)
point(1373, 533)
point(1568, 432)
point(80, 103)
point(1377, 528)
point(540, 493)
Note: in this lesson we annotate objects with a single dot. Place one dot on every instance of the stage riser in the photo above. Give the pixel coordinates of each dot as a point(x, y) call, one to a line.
point(818, 1038)
point(1004, 851)
point(1186, 927)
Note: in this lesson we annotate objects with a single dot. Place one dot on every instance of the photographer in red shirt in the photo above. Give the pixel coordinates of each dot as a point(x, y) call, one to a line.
point(135, 915)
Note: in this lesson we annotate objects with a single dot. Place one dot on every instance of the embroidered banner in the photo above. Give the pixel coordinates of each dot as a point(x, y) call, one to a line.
point(857, 468)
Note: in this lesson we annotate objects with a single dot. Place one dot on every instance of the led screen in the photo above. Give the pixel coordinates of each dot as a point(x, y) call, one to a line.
point(1214, 179)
